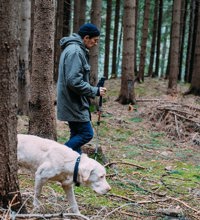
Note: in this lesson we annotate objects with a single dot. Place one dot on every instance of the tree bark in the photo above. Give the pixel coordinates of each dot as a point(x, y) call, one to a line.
point(156, 73)
point(174, 51)
point(144, 40)
point(42, 111)
point(195, 83)
point(9, 58)
point(107, 39)
point(94, 53)
point(76, 20)
point(127, 94)
point(24, 57)
point(182, 35)
point(82, 12)
point(67, 17)
point(153, 43)
point(115, 40)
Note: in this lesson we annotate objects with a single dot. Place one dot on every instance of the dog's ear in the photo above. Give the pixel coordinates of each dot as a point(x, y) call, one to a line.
point(85, 168)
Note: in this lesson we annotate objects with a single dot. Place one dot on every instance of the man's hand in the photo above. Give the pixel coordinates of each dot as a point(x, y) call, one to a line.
point(102, 91)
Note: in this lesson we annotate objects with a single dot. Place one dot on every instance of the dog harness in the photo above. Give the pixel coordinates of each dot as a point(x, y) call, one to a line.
point(75, 176)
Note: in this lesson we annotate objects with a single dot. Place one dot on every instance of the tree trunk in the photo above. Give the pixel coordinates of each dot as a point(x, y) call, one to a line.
point(107, 39)
point(24, 56)
point(182, 35)
point(94, 53)
point(164, 53)
point(58, 35)
point(9, 59)
point(153, 43)
point(42, 110)
point(136, 36)
point(82, 12)
point(127, 94)
point(174, 52)
point(195, 83)
point(190, 42)
point(144, 40)
point(115, 40)
point(67, 18)
point(76, 20)
point(156, 73)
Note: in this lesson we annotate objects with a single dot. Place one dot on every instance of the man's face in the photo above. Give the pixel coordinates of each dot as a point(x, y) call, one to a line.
point(90, 42)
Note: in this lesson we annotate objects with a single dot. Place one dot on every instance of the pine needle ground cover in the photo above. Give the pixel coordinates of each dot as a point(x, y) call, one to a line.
point(151, 152)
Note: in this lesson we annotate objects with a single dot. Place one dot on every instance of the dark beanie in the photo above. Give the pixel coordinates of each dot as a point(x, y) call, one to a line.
point(88, 29)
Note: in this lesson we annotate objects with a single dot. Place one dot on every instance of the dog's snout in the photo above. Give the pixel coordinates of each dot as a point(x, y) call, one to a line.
point(107, 189)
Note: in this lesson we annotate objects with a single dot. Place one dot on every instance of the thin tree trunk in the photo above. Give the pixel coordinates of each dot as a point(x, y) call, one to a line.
point(190, 42)
point(58, 35)
point(82, 12)
point(136, 40)
point(153, 43)
point(195, 83)
point(67, 17)
point(119, 48)
point(94, 53)
point(76, 20)
point(24, 56)
point(107, 39)
point(164, 53)
point(115, 40)
point(144, 40)
point(182, 35)
point(156, 73)
point(194, 36)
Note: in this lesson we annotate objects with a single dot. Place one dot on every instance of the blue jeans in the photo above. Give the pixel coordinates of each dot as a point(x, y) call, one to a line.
point(80, 134)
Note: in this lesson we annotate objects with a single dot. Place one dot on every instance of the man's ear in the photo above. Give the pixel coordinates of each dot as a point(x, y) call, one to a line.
point(86, 37)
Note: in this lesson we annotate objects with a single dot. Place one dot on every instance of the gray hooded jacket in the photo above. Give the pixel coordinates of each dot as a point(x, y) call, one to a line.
point(73, 88)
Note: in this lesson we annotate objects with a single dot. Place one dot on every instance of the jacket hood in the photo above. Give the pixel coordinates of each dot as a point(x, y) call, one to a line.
point(73, 39)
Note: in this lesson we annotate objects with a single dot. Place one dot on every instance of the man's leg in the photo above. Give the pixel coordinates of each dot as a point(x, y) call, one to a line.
point(80, 134)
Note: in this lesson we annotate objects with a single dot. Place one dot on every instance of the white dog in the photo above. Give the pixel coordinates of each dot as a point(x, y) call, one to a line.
point(53, 161)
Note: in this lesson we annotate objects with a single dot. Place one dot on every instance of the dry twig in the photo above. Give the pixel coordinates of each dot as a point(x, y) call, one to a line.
point(122, 162)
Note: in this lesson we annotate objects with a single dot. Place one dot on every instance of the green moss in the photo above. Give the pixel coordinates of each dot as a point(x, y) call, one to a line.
point(136, 119)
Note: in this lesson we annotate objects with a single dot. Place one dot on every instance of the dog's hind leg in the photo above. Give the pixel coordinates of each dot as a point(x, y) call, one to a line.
point(71, 198)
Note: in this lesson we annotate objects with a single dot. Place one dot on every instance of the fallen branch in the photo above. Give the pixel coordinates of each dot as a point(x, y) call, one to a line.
point(177, 128)
point(185, 204)
point(105, 217)
point(131, 214)
point(188, 119)
point(170, 102)
point(140, 202)
point(48, 216)
point(126, 163)
point(178, 110)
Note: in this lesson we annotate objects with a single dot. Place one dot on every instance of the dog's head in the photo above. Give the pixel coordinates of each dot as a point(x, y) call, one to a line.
point(93, 173)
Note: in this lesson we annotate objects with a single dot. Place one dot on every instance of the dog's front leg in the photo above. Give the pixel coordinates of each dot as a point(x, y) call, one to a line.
point(71, 198)
point(39, 182)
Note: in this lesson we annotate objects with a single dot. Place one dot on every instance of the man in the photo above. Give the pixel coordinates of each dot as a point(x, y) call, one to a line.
point(73, 87)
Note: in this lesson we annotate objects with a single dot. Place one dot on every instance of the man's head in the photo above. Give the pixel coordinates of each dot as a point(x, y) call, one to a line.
point(90, 35)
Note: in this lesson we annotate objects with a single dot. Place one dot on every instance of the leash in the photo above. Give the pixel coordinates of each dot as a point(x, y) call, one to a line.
point(100, 84)
point(75, 176)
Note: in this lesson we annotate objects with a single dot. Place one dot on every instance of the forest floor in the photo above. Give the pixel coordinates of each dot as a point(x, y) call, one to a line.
point(151, 152)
